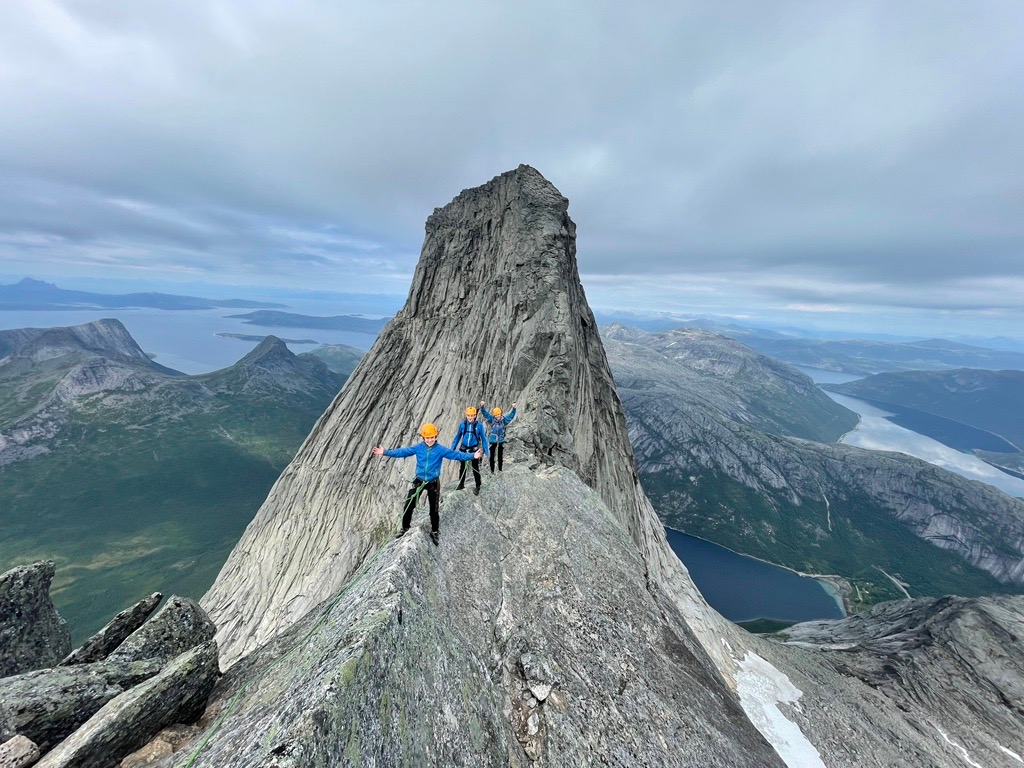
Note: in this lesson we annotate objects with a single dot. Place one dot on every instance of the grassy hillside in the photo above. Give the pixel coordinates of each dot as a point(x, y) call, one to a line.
point(148, 490)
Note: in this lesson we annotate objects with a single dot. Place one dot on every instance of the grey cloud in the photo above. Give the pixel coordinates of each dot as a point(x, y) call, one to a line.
point(860, 144)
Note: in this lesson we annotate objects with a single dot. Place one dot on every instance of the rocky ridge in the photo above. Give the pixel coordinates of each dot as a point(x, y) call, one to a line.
point(546, 629)
point(501, 256)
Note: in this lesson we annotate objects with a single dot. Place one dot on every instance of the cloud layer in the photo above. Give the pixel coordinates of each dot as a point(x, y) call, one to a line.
point(812, 158)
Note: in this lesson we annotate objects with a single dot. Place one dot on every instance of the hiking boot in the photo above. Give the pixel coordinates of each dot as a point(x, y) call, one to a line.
point(401, 532)
point(460, 486)
point(435, 537)
point(476, 491)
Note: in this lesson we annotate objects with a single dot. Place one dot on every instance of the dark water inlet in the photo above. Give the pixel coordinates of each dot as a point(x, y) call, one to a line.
point(743, 589)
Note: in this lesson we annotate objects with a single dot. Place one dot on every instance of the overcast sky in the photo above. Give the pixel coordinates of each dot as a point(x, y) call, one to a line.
point(858, 164)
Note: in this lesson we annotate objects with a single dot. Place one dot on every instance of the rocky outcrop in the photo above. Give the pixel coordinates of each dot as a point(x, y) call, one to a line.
point(955, 666)
point(104, 642)
point(99, 706)
point(496, 312)
point(180, 625)
point(32, 633)
point(49, 704)
point(177, 694)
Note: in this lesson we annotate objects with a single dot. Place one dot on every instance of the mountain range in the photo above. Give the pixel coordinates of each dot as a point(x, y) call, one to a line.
point(740, 449)
point(133, 477)
point(29, 294)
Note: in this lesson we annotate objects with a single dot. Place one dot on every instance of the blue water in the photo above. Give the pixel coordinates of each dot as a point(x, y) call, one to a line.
point(187, 340)
point(743, 589)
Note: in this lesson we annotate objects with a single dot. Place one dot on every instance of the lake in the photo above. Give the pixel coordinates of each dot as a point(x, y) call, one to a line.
point(743, 588)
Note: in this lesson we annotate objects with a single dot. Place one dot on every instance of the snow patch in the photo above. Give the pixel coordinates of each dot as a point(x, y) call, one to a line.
point(1011, 753)
point(761, 687)
point(959, 747)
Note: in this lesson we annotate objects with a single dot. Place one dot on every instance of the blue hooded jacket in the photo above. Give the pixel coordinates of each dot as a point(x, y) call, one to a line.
point(428, 459)
point(471, 433)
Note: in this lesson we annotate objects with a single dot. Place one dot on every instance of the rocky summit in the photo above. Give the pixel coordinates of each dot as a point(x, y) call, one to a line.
point(496, 312)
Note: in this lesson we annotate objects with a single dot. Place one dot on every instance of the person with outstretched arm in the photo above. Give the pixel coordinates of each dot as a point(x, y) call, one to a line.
point(469, 437)
point(497, 423)
point(429, 457)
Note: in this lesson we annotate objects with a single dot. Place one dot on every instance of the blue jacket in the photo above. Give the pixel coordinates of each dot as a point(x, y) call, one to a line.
point(471, 433)
point(428, 460)
point(498, 425)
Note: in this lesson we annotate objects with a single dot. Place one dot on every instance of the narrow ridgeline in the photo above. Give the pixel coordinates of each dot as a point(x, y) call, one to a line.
point(496, 312)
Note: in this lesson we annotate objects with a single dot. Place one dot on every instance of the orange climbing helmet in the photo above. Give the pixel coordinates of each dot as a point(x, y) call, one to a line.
point(496, 413)
point(470, 412)
point(428, 430)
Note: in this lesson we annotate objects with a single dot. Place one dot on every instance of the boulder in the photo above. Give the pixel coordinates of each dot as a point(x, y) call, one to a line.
point(32, 633)
point(100, 645)
point(166, 743)
point(18, 752)
point(179, 626)
point(178, 694)
point(48, 704)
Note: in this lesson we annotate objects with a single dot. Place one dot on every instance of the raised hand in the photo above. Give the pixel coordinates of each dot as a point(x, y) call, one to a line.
point(378, 450)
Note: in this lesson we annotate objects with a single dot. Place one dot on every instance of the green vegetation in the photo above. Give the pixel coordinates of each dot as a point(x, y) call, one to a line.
point(126, 511)
point(863, 539)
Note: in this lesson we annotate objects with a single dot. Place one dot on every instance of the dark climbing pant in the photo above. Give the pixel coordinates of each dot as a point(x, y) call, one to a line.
point(497, 449)
point(432, 490)
point(463, 470)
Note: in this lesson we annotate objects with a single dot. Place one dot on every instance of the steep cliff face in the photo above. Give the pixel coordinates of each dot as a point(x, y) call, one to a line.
point(496, 312)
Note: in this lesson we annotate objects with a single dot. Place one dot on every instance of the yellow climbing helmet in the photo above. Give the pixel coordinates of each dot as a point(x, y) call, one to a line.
point(428, 430)
point(496, 412)
point(470, 412)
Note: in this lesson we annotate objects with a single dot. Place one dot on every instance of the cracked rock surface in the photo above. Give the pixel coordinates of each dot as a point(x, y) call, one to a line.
point(529, 637)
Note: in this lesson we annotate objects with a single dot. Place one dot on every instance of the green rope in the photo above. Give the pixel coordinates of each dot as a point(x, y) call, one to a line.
point(319, 623)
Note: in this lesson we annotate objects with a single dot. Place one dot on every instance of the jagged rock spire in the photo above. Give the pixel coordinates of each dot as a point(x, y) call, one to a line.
point(496, 312)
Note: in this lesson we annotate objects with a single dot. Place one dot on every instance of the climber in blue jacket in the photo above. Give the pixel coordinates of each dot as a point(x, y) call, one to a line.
point(429, 456)
point(469, 437)
point(497, 423)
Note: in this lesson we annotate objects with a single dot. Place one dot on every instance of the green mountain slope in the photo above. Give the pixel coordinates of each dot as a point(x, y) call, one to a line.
point(722, 462)
point(134, 480)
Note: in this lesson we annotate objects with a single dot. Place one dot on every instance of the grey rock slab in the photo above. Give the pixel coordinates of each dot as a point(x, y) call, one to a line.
point(47, 705)
point(515, 642)
point(179, 626)
point(18, 752)
point(100, 645)
point(32, 633)
point(177, 694)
